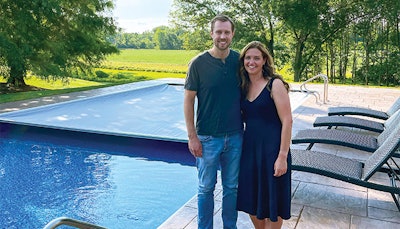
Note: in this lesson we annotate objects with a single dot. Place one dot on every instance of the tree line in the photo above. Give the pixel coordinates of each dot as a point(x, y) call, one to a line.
point(352, 41)
point(162, 37)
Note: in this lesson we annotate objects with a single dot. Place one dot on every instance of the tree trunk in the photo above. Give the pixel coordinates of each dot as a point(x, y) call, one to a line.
point(271, 41)
point(346, 57)
point(332, 58)
point(298, 61)
point(354, 67)
point(16, 78)
point(367, 56)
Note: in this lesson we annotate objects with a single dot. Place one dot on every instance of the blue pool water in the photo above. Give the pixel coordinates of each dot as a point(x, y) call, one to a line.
point(122, 184)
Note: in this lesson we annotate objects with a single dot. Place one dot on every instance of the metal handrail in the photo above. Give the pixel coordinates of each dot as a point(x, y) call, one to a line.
point(325, 78)
point(71, 222)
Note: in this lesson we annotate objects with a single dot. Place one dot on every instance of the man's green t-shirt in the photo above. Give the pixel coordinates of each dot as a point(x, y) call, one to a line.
point(217, 84)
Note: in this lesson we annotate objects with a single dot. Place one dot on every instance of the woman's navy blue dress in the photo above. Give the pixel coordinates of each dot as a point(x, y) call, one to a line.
point(259, 192)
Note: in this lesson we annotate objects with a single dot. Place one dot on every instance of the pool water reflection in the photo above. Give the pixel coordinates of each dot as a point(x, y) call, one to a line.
point(42, 181)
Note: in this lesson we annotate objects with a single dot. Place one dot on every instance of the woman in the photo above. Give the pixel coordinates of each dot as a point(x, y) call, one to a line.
point(264, 190)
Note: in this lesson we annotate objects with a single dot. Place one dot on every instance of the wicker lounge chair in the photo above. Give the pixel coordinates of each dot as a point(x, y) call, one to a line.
point(345, 138)
point(352, 171)
point(354, 122)
point(365, 111)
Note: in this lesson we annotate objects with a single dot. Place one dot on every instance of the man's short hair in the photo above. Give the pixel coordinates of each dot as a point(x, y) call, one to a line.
point(223, 18)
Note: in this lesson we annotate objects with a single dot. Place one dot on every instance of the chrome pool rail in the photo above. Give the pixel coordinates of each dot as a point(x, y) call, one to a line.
point(71, 222)
point(303, 88)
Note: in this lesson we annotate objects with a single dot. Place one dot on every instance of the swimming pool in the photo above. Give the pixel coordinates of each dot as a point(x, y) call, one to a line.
point(119, 159)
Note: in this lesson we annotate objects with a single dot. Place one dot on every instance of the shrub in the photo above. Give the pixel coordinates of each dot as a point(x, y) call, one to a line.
point(120, 76)
point(101, 74)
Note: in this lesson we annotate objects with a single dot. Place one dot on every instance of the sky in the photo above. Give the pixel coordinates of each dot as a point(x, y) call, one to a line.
point(141, 15)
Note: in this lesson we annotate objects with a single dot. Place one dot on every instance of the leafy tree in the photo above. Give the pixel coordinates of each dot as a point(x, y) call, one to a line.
point(300, 30)
point(253, 20)
point(53, 38)
point(196, 40)
point(313, 23)
point(135, 40)
point(379, 31)
point(193, 17)
point(167, 38)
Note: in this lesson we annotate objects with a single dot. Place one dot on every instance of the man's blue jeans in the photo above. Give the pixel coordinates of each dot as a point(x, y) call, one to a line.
point(218, 153)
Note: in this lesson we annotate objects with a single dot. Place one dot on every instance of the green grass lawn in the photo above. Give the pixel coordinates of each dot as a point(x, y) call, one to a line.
point(176, 57)
point(131, 65)
point(174, 61)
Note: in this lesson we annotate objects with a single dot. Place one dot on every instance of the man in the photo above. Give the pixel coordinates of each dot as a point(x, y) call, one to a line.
point(216, 139)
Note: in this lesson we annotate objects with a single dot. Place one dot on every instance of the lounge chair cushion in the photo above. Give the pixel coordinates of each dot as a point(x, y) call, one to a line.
point(324, 163)
point(334, 121)
point(365, 111)
point(367, 143)
point(357, 111)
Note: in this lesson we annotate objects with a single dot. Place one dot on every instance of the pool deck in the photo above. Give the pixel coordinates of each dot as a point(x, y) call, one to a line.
point(317, 201)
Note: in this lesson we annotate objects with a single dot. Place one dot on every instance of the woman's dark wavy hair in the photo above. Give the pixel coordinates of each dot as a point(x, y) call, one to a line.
point(268, 68)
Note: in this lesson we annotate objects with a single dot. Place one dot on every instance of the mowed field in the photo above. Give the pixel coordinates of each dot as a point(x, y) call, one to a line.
point(173, 61)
